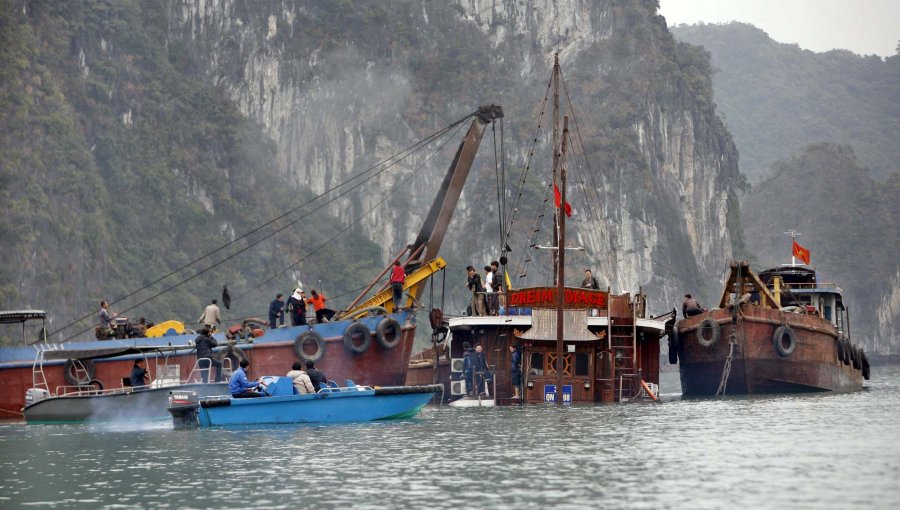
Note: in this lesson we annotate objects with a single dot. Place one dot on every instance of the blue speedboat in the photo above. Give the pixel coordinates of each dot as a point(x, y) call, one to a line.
point(334, 404)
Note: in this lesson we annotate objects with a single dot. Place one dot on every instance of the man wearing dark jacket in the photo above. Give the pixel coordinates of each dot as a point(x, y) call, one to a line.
point(205, 343)
point(316, 376)
point(276, 311)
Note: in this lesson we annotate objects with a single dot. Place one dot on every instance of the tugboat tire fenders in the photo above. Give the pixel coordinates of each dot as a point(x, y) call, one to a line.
point(864, 361)
point(712, 327)
point(70, 376)
point(303, 339)
point(388, 332)
point(357, 329)
point(784, 341)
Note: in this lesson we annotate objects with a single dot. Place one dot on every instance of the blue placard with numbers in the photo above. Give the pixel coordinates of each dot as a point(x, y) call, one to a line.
point(550, 393)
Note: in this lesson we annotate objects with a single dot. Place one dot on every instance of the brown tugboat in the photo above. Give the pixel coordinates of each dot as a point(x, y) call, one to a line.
point(781, 331)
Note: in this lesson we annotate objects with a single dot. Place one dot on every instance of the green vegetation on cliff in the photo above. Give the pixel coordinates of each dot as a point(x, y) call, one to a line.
point(777, 98)
point(119, 167)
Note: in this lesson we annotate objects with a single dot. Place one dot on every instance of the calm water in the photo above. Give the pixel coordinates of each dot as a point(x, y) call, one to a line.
point(812, 451)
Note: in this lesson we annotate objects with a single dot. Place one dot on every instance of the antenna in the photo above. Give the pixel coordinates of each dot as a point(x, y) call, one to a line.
point(793, 235)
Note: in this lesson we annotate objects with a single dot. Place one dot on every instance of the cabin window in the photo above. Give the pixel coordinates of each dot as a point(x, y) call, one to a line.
point(582, 364)
point(827, 311)
point(537, 363)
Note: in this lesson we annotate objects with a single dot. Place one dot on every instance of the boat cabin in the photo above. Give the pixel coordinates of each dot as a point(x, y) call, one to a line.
point(796, 288)
point(610, 349)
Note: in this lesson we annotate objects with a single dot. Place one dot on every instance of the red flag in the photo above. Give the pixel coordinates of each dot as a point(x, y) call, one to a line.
point(557, 198)
point(801, 253)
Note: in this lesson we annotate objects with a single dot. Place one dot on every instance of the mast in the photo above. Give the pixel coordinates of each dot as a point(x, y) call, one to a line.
point(561, 254)
point(555, 157)
point(793, 235)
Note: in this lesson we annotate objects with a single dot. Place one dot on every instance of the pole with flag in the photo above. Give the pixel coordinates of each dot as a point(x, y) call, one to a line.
point(797, 251)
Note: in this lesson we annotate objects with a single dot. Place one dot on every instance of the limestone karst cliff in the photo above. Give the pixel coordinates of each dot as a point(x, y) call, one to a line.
point(226, 113)
point(337, 85)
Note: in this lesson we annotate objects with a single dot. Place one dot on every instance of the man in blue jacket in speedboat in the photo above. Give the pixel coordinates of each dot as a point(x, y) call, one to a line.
point(240, 386)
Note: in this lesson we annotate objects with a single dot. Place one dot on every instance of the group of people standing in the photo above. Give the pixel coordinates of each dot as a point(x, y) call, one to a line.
point(485, 292)
point(296, 307)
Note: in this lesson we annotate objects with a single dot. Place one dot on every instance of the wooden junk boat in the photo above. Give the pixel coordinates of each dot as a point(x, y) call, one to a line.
point(777, 332)
point(370, 342)
point(583, 344)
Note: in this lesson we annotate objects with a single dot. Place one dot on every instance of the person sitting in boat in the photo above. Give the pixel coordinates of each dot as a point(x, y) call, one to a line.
point(240, 386)
point(138, 375)
point(205, 343)
point(318, 301)
point(302, 383)
point(316, 376)
point(211, 316)
point(296, 306)
point(276, 311)
point(690, 307)
point(474, 285)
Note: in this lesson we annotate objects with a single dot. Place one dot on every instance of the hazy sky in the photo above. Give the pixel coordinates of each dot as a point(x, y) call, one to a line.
point(861, 26)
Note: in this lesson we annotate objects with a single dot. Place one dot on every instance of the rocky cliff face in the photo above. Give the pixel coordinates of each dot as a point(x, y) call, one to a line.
point(341, 87)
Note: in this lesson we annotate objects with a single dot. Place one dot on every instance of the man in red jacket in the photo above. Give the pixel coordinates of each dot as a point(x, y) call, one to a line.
point(397, 277)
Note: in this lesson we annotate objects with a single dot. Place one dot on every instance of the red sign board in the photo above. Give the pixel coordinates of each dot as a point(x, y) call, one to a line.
point(545, 297)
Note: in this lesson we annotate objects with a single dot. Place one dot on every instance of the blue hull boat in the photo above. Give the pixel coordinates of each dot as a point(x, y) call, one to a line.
point(333, 404)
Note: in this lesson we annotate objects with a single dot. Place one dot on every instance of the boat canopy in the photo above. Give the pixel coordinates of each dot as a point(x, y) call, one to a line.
point(544, 325)
point(17, 316)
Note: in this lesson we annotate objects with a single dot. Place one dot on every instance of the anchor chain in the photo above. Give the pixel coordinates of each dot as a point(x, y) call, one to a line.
point(726, 371)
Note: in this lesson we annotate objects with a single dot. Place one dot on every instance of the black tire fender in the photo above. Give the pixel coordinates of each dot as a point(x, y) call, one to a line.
point(305, 338)
point(784, 340)
point(710, 325)
point(840, 349)
point(357, 329)
point(864, 361)
point(232, 352)
point(846, 352)
point(674, 344)
point(388, 333)
point(72, 378)
point(854, 352)
point(97, 383)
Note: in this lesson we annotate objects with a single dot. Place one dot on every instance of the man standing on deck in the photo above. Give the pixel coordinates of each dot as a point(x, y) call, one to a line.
point(240, 386)
point(477, 288)
point(589, 281)
point(479, 370)
point(296, 306)
point(107, 322)
point(276, 311)
point(205, 343)
point(515, 370)
point(211, 316)
point(490, 299)
point(397, 277)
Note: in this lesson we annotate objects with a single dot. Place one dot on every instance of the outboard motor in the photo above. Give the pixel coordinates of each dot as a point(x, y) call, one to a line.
point(33, 395)
point(183, 406)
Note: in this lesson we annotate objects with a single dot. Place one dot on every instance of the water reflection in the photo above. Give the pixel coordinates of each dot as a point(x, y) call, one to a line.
point(802, 451)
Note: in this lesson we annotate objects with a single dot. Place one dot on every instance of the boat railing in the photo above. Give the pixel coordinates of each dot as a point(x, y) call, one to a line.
point(806, 286)
point(88, 390)
point(196, 373)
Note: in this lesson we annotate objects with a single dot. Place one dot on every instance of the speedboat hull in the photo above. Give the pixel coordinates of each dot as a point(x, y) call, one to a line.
point(334, 405)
